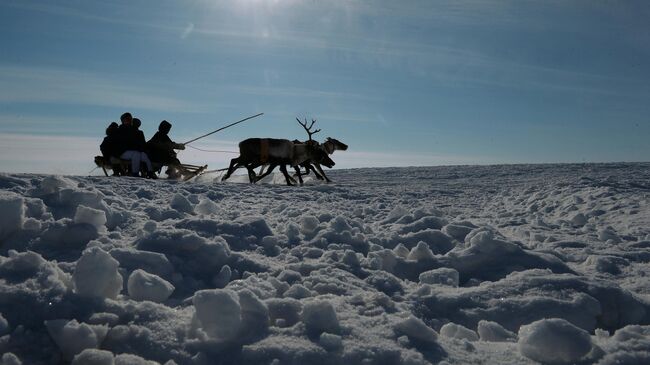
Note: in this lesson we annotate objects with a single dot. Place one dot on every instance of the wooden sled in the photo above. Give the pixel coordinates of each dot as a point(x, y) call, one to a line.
point(182, 172)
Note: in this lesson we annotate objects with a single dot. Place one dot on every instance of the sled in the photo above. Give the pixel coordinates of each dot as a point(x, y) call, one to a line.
point(182, 172)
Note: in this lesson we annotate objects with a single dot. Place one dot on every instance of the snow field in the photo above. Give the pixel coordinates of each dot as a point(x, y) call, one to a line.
point(455, 265)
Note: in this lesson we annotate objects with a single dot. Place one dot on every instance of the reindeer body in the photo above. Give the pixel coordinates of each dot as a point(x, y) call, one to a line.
point(255, 152)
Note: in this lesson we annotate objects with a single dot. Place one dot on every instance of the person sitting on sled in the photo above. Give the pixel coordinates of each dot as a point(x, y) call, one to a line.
point(133, 150)
point(110, 147)
point(161, 147)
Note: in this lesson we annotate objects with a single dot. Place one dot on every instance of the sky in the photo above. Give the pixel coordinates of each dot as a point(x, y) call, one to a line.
point(403, 83)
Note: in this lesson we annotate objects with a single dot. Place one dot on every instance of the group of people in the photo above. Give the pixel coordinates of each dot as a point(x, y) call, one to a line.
point(127, 142)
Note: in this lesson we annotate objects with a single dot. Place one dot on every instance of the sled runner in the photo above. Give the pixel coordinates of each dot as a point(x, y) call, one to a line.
point(174, 171)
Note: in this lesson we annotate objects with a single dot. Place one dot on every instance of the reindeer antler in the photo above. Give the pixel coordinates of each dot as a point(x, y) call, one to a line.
point(308, 129)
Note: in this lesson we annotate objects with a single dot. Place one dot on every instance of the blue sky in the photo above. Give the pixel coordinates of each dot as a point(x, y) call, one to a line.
point(403, 83)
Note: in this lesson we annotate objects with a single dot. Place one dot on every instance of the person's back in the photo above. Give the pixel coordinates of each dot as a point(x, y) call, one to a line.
point(161, 147)
point(110, 146)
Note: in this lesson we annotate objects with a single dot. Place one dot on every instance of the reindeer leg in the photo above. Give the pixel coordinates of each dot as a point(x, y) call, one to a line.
point(320, 169)
point(318, 176)
point(231, 168)
point(268, 171)
point(299, 175)
point(283, 168)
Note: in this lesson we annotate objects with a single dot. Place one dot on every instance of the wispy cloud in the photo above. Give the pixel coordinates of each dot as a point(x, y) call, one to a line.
point(187, 31)
point(22, 84)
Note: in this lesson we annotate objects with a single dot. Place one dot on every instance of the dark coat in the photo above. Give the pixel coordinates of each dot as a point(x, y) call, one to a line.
point(129, 138)
point(160, 148)
point(111, 145)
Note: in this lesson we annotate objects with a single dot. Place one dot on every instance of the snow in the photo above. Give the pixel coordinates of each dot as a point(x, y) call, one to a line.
point(96, 274)
point(319, 317)
point(73, 337)
point(494, 332)
point(12, 211)
point(450, 265)
point(218, 313)
point(94, 217)
point(554, 341)
point(452, 330)
point(145, 286)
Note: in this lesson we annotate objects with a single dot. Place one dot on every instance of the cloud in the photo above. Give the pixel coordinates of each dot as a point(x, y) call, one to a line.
point(22, 84)
point(187, 31)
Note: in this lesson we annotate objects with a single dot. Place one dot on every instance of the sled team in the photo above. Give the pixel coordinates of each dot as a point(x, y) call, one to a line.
point(127, 142)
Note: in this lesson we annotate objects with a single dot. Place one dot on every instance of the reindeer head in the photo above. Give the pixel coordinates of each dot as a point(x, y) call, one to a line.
point(332, 145)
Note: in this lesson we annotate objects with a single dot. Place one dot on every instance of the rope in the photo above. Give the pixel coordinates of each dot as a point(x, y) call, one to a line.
point(91, 171)
point(215, 151)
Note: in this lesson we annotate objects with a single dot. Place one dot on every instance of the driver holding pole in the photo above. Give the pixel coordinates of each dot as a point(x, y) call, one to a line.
point(161, 147)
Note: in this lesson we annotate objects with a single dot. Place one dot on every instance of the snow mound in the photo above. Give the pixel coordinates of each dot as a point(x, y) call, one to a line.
point(180, 203)
point(320, 316)
point(96, 274)
point(12, 211)
point(453, 330)
point(494, 332)
point(554, 341)
point(142, 285)
point(4, 326)
point(226, 316)
point(444, 276)
point(187, 252)
point(490, 258)
point(94, 357)
point(10, 359)
point(73, 337)
point(416, 330)
point(94, 217)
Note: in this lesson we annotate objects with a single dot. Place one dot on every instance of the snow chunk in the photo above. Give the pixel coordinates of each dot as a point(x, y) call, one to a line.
point(4, 326)
point(420, 252)
point(130, 359)
point(96, 274)
point(491, 258)
point(457, 231)
point(218, 313)
point(309, 224)
point(181, 204)
point(10, 359)
point(94, 217)
point(206, 207)
point(330, 342)
point(12, 211)
point(94, 357)
point(320, 316)
point(494, 332)
point(416, 330)
point(151, 262)
point(554, 340)
point(73, 337)
point(298, 291)
point(144, 286)
point(453, 330)
point(443, 275)
point(579, 220)
point(606, 264)
point(401, 251)
point(188, 252)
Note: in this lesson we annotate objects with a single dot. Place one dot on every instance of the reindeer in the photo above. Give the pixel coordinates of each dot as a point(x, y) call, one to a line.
point(255, 152)
point(329, 146)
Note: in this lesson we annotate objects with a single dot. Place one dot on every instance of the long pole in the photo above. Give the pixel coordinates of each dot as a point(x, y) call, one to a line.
point(222, 128)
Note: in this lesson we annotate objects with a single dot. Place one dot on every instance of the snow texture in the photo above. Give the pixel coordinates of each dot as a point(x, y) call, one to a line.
point(554, 341)
point(144, 286)
point(516, 264)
